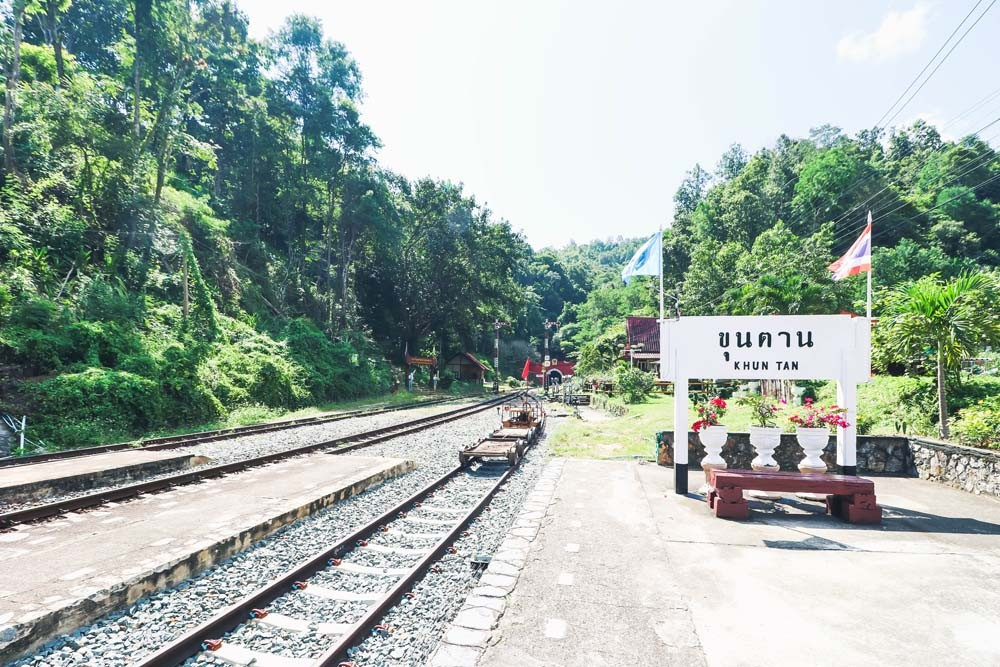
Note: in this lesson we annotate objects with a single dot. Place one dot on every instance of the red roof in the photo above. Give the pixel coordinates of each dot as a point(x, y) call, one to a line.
point(643, 331)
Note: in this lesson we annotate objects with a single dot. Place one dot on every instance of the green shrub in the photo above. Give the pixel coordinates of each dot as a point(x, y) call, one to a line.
point(513, 382)
point(979, 424)
point(633, 384)
point(80, 409)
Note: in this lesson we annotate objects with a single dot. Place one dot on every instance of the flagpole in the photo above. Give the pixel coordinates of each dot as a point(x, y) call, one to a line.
point(871, 267)
point(661, 272)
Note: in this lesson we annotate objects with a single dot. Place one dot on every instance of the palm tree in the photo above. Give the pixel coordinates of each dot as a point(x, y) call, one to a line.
point(952, 319)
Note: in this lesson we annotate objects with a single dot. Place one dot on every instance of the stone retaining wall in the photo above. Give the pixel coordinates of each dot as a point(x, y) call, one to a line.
point(971, 469)
point(967, 468)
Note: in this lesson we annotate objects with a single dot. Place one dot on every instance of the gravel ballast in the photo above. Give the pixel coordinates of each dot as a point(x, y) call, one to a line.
point(124, 637)
point(246, 447)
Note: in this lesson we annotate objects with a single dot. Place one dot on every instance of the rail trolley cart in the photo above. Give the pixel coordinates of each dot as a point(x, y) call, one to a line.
point(528, 414)
point(494, 448)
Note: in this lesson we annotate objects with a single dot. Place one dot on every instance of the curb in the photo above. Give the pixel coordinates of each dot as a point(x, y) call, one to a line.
point(466, 638)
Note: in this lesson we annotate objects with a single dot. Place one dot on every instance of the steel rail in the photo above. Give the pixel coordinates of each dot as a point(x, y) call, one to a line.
point(332, 656)
point(189, 644)
point(191, 439)
point(350, 443)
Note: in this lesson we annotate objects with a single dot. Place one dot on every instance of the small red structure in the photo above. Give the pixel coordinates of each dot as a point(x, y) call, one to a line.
point(642, 344)
point(558, 371)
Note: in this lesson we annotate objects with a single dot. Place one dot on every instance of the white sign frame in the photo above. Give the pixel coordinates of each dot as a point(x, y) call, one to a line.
point(772, 347)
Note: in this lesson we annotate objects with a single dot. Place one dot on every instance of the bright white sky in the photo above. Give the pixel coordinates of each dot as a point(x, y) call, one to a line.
point(577, 120)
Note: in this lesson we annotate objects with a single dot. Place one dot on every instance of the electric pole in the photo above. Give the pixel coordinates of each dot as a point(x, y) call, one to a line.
point(497, 325)
point(546, 363)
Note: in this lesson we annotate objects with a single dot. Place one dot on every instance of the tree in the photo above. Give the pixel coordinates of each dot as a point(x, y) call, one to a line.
point(947, 319)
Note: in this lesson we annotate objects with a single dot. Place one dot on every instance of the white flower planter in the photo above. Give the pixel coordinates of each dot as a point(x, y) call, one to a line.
point(765, 439)
point(713, 438)
point(813, 442)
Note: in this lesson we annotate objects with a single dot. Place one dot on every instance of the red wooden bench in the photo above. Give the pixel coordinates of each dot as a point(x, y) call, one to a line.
point(849, 498)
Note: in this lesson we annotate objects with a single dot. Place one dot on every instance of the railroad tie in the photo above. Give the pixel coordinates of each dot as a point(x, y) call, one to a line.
point(235, 654)
point(441, 510)
point(343, 596)
point(416, 536)
point(333, 628)
point(434, 522)
point(365, 569)
point(283, 622)
point(378, 548)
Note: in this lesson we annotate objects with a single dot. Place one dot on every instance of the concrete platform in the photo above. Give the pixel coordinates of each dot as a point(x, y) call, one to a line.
point(37, 481)
point(59, 575)
point(625, 572)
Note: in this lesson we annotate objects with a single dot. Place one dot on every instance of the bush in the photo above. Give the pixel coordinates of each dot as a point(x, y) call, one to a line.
point(335, 370)
point(633, 384)
point(82, 409)
point(512, 382)
point(979, 425)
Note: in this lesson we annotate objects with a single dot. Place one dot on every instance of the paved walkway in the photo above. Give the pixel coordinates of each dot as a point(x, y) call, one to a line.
point(624, 572)
point(60, 574)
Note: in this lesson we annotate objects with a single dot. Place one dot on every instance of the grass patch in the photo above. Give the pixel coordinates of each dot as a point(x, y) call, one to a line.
point(608, 437)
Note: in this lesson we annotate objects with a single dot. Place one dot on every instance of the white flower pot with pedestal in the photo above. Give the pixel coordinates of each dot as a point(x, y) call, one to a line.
point(764, 439)
point(713, 438)
point(812, 441)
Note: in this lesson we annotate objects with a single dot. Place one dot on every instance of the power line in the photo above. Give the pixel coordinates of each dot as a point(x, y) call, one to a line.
point(941, 62)
point(917, 78)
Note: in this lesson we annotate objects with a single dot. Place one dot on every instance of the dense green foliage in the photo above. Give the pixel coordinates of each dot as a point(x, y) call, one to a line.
point(193, 222)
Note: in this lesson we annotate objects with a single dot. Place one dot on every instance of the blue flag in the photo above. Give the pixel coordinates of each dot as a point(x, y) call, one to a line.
point(646, 260)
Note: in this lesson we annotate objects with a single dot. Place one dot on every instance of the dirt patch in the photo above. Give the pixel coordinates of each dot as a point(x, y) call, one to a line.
point(589, 414)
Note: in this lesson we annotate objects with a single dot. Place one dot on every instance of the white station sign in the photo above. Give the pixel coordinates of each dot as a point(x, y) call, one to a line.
point(781, 347)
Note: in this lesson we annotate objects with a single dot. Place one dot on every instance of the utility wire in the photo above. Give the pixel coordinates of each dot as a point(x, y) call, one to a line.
point(941, 62)
point(917, 78)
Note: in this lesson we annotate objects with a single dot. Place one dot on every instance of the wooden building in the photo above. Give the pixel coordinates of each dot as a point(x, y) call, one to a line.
point(642, 343)
point(467, 368)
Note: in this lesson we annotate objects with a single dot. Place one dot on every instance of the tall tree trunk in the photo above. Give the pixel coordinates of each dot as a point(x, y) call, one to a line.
point(344, 269)
point(55, 30)
point(13, 74)
point(142, 11)
point(942, 396)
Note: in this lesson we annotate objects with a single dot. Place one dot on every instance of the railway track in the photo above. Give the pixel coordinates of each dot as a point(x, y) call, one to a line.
point(201, 437)
point(338, 445)
point(334, 599)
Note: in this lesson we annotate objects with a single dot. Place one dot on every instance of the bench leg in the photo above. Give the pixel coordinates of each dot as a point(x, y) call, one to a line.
point(858, 508)
point(729, 503)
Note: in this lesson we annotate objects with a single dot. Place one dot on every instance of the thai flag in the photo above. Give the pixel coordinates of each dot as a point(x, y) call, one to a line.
point(858, 258)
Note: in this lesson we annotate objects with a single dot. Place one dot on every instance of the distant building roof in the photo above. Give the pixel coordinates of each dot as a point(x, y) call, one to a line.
point(644, 331)
point(463, 357)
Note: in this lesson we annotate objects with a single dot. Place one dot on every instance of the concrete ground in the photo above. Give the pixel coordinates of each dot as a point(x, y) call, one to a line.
point(625, 572)
point(61, 574)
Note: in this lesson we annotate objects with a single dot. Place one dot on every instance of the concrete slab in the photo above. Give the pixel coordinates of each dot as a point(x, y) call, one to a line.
point(658, 580)
point(37, 481)
point(59, 575)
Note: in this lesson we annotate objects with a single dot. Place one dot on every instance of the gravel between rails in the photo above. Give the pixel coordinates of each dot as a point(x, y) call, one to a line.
point(125, 636)
point(245, 447)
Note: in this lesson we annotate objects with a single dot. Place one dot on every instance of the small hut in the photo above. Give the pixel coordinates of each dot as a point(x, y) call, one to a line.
point(466, 368)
